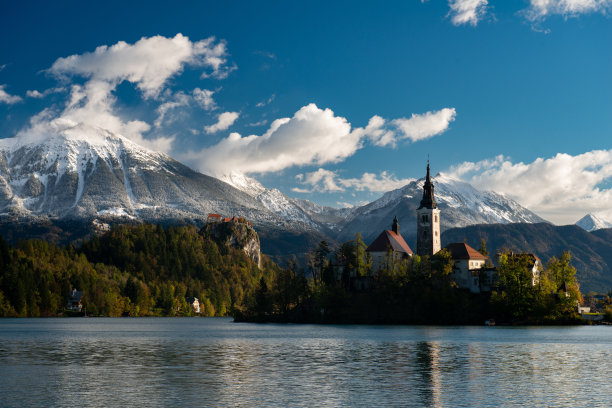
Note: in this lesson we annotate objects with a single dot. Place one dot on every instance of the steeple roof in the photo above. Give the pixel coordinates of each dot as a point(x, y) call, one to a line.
point(428, 200)
point(389, 240)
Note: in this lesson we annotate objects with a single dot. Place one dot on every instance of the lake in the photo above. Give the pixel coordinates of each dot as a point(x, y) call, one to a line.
point(193, 362)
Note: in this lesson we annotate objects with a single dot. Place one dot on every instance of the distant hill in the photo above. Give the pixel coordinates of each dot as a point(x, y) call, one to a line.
point(591, 251)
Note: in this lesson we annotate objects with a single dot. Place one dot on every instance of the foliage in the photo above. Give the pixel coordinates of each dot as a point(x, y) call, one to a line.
point(552, 298)
point(417, 290)
point(141, 270)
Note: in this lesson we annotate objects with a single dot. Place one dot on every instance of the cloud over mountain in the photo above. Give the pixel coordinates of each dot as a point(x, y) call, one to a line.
point(561, 188)
point(313, 136)
point(324, 180)
point(148, 64)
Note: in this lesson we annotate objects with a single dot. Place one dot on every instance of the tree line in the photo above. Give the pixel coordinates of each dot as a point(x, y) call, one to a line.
point(142, 270)
point(416, 290)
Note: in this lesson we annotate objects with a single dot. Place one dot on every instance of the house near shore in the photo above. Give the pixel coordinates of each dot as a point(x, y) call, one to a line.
point(75, 301)
point(194, 303)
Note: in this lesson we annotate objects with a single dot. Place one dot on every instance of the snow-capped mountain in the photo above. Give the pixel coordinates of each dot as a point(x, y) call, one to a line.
point(85, 172)
point(460, 202)
point(461, 205)
point(591, 222)
point(271, 198)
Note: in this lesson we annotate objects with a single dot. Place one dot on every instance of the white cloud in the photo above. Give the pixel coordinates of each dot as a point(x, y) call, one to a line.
point(35, 94)
point(419, 127)
point(204, 98)
point(266, 102)
point(467, 11)
point(149, 64)
point(561, 189)
point(180, 99)
point(377, 184)
point(258, 123)
point(328, 181)
point(7, 98)
point(224, 121)
point(321, 180)
point(39, 95)
point(540, 9)
point(311, 136)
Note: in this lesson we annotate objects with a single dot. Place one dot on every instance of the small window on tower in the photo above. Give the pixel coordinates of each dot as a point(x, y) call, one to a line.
point(435, 218)
point(424, 234)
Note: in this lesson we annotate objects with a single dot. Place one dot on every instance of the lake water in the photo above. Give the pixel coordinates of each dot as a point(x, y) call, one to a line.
point(193, 362)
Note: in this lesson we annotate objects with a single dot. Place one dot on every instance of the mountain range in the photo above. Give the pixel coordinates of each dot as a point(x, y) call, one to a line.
point(80, 179)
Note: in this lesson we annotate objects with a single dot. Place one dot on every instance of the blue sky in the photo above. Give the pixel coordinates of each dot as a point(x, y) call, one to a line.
point(512, 96)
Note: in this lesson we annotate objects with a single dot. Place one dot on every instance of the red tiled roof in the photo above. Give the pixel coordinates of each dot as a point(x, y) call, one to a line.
point(461, 250)
point(389, 240)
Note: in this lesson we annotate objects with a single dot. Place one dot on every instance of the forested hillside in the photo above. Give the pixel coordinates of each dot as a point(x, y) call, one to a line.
point(140, 270)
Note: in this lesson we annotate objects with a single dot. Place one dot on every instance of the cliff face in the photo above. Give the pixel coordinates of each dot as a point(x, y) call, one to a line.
point(237, 234)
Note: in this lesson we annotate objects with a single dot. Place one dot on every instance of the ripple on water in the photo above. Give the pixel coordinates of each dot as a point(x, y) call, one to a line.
point(213, 362)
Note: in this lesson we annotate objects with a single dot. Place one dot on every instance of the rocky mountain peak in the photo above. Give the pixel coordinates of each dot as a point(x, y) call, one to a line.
point(591, 222)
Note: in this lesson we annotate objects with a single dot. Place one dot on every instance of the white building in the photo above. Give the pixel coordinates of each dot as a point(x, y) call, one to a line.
point(467, 265)
point(194, 303)
point(388, 248)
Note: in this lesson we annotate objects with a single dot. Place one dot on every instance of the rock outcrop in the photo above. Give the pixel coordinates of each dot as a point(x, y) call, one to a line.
point(236, 233)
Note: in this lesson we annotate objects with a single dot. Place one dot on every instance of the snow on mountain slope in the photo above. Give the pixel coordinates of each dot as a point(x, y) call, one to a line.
point(591, 222)
point(84, 172)
point(333, 218)
point(460, 203)
point(271, 198)
point(249, 185)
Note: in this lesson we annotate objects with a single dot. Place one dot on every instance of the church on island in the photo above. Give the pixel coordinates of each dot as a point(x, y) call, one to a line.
point(470, 269)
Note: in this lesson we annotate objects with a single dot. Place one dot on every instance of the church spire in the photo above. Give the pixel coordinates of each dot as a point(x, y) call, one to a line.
point(428, 200)
point(395, 227)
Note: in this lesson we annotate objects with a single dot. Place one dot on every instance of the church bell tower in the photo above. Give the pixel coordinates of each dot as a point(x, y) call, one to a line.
point(428, 221)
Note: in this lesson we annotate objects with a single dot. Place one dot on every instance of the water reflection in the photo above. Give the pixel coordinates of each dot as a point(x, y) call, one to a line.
point(213, 362)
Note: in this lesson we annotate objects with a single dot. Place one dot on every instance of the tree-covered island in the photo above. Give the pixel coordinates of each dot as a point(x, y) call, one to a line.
point(417, 290)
